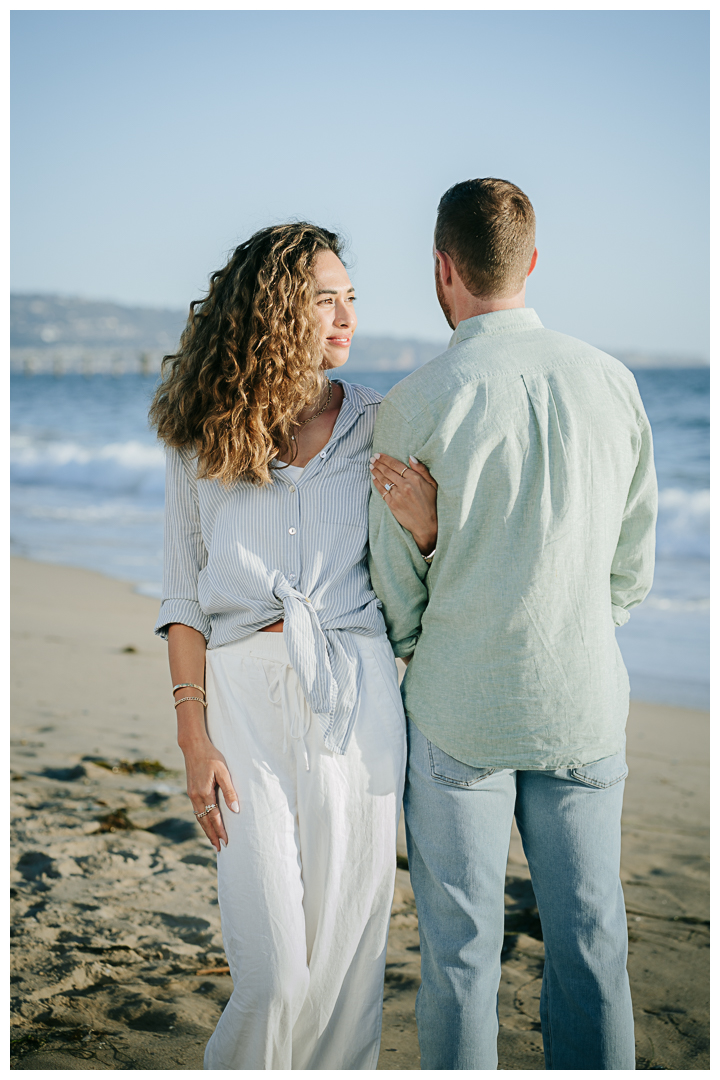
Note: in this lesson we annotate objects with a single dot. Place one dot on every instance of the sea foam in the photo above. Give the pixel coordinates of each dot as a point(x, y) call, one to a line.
point(131, 467)
point(684, 523)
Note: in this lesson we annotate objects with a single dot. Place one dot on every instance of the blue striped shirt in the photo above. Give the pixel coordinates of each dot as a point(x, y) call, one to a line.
point(240, 557)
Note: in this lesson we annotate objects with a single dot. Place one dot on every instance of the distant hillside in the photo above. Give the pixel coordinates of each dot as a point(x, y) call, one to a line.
point(48, 331)
point(42, 322)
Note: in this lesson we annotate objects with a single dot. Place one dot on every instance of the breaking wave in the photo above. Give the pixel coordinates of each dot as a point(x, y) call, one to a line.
point(128, 468)
point(138, 468)
point(684, 523)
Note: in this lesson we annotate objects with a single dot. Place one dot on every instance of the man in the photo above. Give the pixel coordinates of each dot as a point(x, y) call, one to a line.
point(516, 694)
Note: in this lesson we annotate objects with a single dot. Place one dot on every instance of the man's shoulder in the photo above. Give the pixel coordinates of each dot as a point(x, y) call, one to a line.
point(568, 350)
point(479, 359)
point(438, 378)
point(440, 381)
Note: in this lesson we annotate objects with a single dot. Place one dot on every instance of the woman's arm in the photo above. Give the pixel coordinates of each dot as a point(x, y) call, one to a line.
point(186, 627)
point(205, 766)
point(412, 497)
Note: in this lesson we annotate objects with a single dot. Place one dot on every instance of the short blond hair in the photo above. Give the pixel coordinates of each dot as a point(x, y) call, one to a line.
point(487, 227)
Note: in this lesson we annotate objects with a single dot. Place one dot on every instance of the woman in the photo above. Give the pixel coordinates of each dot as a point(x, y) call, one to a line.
point(293, 712)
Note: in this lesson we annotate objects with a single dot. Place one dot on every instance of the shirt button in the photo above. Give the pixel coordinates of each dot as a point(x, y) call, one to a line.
point(323, 453)
point(292, 531)
point(292, 489)
point(291, 577)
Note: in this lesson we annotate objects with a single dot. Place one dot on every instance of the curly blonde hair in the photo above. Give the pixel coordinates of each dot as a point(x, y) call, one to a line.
point(250, 357)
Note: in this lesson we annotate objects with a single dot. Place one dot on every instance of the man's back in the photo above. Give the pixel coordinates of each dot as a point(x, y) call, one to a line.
point(546, 507)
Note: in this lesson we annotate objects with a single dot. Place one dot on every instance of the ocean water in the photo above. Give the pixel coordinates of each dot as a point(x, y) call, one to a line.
point(87, 482)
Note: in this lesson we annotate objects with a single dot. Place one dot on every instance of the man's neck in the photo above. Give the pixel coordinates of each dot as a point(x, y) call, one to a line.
point(467, 307)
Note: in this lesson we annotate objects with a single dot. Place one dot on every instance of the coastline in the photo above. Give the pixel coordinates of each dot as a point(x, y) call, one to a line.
point(116, 922)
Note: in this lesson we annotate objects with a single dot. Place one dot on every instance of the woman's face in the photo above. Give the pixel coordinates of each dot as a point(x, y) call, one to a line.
point(334, 308)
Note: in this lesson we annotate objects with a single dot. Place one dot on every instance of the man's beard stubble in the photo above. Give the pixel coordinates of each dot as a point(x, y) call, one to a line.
point(441, 295)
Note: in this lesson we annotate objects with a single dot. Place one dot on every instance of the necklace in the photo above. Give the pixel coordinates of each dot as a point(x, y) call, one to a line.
point(302, 423)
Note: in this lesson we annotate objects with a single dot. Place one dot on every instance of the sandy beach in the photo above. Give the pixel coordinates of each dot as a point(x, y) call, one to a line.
point(118, 960)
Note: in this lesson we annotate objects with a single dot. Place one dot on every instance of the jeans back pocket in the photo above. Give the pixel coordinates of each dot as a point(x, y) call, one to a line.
point(448, 770)
point(603, 773)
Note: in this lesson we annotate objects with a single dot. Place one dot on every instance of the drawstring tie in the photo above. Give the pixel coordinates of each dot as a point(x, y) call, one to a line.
point(297, 714)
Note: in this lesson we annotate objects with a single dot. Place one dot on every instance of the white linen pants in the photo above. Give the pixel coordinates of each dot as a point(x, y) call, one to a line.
point(306, 882)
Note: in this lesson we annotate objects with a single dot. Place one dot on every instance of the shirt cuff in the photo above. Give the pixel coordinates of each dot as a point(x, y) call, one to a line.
point(419, 565)
point(620, 615)
point(187, 612)
point(404, 647)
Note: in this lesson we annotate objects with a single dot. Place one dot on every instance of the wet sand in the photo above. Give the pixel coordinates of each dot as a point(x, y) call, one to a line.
point(117, 953)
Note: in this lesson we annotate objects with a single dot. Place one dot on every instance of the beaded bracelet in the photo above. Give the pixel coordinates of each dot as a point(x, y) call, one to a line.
point(203, 703)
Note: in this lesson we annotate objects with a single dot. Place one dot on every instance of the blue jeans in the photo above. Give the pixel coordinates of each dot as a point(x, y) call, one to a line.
point(458, 820)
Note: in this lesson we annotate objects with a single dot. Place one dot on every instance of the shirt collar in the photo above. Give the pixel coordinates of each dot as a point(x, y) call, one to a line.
point(352, 407)
point(351, 397)
point(511, 321)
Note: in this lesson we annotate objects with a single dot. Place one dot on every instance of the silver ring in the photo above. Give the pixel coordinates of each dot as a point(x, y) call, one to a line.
point(204, 813)
point(389, 487)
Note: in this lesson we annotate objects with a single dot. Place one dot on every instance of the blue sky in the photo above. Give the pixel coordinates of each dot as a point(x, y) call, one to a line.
point(147, 144)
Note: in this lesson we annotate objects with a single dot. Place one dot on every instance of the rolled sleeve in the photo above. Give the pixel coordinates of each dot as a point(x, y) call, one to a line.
point(178, 610)
point(185, 551)
point(620, 615)
point(633, 565)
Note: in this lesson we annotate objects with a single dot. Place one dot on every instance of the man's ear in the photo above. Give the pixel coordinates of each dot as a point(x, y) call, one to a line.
point(533, 262)
point(447, 267)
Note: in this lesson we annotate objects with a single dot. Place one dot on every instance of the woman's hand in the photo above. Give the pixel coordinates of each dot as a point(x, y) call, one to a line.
point(207, 772)
point(205, 766)
point(412, 497)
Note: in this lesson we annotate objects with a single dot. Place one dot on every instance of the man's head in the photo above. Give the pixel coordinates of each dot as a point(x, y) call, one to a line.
point(487, 230)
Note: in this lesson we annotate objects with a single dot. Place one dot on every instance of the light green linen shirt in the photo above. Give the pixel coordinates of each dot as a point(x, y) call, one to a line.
point(547, 501)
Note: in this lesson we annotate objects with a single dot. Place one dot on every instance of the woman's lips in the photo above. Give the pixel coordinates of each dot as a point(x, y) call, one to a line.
point(343, 342)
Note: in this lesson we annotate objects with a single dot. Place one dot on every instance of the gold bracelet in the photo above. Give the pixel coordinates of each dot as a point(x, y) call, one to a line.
point(203, 703)
point(181, 685)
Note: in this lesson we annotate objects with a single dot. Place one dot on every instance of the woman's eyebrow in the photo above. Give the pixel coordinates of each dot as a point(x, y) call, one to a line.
point(333, 292)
